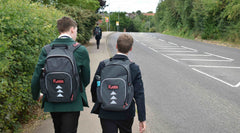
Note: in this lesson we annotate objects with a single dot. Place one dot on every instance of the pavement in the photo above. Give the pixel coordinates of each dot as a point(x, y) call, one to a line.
point(88, 123)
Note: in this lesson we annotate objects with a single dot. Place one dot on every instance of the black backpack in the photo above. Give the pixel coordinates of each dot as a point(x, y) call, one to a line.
point(115, 90)
point(97, 31)
point(60, 79)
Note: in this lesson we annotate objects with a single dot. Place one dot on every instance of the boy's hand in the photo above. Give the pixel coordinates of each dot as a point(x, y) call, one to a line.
point(142, 126)
point(40, 97)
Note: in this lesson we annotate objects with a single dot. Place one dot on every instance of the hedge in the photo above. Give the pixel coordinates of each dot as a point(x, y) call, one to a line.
point(208, 19)
point(24, 28)
point(85, 19)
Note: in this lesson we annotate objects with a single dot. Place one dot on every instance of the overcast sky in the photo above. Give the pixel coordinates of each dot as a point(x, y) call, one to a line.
point(131, 5)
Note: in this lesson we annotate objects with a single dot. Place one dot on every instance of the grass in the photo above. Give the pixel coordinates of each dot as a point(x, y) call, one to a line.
point(32, 124)
point(191, 36)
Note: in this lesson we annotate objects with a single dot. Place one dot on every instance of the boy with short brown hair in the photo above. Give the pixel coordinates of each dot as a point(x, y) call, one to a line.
point(111, 121)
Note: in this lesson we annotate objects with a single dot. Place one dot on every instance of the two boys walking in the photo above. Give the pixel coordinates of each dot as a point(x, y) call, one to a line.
point(65, 115)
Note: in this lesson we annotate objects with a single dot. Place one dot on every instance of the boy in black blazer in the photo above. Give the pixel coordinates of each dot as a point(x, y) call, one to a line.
point(111, 121)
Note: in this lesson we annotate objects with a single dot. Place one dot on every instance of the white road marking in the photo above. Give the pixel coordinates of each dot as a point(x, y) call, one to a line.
point(172, 43)
point(206, 60)
point(237, 85)
point(220, 56)
point(153, 49)
point(179, 51)
point(161, 40)
point(234, 86)
point(171, 48)
point(189, 48)
point(189, 54)
point(168, 46)
point(170, 58)
point(204, 66)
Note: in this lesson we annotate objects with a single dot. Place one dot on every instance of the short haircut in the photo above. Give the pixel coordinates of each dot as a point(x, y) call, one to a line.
point(124, 43)
point(65, 23)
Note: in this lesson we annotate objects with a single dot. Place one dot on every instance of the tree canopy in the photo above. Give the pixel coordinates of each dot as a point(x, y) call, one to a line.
point(208, 19)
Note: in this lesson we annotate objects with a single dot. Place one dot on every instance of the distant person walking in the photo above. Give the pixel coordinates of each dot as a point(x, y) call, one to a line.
point(98, 35)
point(115, 89)
point(62, 73)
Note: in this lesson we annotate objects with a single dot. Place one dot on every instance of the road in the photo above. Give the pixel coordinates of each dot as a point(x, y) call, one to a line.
point(190, 86)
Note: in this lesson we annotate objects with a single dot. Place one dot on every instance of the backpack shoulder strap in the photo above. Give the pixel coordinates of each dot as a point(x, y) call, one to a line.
point(48, 48)
point(107, 61)
point(126, 64)
point(74, 46)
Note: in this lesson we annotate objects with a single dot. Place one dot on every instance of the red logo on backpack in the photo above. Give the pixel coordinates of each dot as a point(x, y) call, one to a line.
point(58, 81)
point(113, 87)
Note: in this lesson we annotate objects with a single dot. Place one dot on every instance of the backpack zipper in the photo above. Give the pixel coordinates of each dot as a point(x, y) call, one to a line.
point(58, 73)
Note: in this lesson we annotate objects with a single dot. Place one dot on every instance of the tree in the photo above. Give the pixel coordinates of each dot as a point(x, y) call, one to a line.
point(209, 19)
point(102, 3)
point(92, 5)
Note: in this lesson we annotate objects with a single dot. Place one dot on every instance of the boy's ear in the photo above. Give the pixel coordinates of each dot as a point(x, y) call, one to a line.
point(130, 49)
point(72, 29)
point(116, 46)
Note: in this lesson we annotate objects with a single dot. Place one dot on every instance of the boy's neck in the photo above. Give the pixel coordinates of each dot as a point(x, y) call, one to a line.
point(122, 53)
point(64, 34)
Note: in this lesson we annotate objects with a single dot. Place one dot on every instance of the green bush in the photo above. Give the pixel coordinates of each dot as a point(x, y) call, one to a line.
point(209, 19)
point(85, 19)
point(24, 28)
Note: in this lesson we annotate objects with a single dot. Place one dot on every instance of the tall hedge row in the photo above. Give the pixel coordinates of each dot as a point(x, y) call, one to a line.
point(85, 19)
point(24, 29)
point(209, 19)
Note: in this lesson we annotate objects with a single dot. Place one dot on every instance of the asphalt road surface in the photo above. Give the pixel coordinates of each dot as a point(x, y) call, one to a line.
point(190, 86)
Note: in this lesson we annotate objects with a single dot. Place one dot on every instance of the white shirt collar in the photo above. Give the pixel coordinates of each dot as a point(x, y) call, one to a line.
point(122, 54)
point(64, 36)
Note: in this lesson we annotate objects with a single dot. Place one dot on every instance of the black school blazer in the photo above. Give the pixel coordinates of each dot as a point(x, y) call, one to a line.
point(139, 97)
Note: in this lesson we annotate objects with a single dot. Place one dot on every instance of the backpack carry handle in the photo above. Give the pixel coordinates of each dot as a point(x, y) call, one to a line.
point(60, 45)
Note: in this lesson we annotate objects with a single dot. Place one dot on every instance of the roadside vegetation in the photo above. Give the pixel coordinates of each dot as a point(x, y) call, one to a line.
point(214, 20)
point(131, 22)
point(202, 19)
